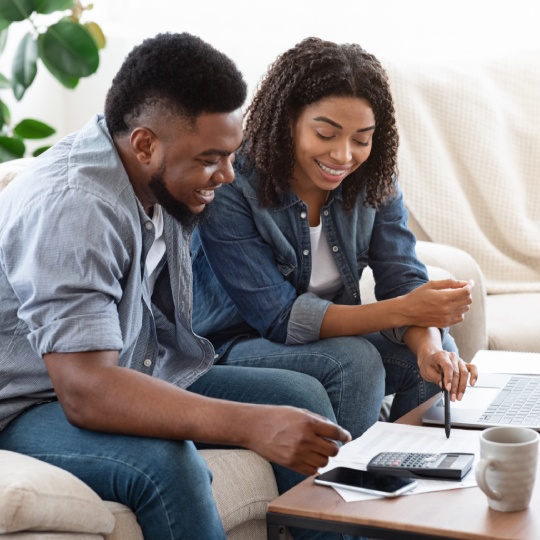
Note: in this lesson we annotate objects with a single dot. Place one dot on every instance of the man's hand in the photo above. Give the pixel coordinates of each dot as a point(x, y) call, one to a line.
point(456, 372)
point(296, 438)
point(439, 303)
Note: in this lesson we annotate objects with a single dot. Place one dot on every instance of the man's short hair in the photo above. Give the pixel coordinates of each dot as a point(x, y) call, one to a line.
point(173, 73)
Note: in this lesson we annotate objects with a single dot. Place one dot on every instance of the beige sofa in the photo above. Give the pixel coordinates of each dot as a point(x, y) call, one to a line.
point(469, 164)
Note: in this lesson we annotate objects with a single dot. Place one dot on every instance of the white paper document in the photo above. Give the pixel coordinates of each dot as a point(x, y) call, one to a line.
point(388, 437)
point(520, 363)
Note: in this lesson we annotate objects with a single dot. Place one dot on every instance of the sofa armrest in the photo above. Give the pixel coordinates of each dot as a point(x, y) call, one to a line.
point(471, 334)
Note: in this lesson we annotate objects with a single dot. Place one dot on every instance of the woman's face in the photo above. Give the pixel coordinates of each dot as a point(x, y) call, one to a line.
point(332, 138)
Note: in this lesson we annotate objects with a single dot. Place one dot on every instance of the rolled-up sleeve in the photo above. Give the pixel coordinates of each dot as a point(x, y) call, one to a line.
point(306, 319)
point(65, 260)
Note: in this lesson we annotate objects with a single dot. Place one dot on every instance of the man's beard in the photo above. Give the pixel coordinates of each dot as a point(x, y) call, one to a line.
point(178, 210)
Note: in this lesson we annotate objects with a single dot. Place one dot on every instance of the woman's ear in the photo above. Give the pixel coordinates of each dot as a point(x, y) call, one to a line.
point(143, 143)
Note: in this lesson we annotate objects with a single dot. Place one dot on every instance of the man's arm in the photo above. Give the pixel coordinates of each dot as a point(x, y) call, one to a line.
point(97, 394)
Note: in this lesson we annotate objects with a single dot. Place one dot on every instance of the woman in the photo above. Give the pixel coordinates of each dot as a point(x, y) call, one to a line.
point(315, 200)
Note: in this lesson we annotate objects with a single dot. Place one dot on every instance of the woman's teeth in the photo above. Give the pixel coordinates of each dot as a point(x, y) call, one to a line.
point(328, 170)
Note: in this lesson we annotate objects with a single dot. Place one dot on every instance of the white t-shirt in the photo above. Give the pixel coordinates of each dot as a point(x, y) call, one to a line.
point(325, 280)
point(156, 252)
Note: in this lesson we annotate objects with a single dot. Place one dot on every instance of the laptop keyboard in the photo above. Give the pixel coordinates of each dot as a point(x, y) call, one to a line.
point(517, 403)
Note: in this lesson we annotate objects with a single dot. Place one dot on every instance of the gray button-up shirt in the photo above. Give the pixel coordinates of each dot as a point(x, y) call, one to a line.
point(73, 244)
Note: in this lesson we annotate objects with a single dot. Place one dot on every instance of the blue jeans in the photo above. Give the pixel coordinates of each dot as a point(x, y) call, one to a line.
point(166, 483)
point(356, 372)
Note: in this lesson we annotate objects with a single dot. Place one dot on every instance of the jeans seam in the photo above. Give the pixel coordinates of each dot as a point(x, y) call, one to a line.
point(406, 365)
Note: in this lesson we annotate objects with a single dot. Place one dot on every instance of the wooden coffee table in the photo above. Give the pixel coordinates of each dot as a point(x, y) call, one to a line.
point(453, 514)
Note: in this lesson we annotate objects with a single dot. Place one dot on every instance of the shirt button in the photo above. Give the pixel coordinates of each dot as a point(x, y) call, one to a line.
point(306, 252)
point(147, 362)
point(216, 356)
point(335, 249)
point(325, 212)
point(303, 215)
point(149, 225)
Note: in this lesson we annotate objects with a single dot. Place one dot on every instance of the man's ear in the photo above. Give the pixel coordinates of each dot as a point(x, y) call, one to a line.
point(143, 143)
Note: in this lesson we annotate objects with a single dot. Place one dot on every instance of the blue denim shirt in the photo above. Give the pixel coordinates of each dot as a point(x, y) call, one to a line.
point(252, 265)
point(73, 245)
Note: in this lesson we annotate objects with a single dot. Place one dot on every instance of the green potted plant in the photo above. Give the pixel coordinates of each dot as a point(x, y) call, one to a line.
point(67, 47)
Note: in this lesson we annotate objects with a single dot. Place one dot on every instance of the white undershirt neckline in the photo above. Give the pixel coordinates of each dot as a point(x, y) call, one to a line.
point(325, 280)
point(157, 250)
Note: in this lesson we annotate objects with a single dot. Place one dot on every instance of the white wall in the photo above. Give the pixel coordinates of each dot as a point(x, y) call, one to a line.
point(253, 33)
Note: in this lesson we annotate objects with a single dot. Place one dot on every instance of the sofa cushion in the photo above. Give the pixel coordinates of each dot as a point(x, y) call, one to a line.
point(51, 536)
point(36, 496)
point(504, 311)
point(243, 485)
point(10, 169)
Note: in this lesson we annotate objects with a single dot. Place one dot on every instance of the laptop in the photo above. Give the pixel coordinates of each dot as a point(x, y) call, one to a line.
point(497, 399)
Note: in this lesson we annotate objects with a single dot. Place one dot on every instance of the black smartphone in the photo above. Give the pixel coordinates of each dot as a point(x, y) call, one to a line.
point(366, 482)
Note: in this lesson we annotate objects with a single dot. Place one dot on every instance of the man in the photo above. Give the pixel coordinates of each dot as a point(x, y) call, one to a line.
point(100, 372)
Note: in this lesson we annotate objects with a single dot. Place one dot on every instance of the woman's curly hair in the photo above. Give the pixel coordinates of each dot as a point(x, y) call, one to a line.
point(313, 70)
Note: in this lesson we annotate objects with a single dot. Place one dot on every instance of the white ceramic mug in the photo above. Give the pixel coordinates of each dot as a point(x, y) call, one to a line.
point(507, 468)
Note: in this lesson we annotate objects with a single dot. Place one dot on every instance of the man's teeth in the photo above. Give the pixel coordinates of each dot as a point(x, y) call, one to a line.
point(205, 192)
point(328, 170)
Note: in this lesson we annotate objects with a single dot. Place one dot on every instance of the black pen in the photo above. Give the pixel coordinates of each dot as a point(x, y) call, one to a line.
point(447, 426)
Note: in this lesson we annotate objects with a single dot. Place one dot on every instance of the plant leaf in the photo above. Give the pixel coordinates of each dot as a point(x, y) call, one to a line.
point(4, 82)
point(24, 65)
point(38, 151)
point(49, 6)
point(5, 112)
point(3, 28)
point(97, 33)
point(60, 76)
point(11, 148)
point(2, 119)
point(69, 49)
point(16, 10)
point(33, 129)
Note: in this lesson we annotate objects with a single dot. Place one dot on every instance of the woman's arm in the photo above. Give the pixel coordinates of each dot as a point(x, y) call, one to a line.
point(436, 303)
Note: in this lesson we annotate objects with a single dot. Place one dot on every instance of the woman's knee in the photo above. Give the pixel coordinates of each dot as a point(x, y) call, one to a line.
point(356, 358)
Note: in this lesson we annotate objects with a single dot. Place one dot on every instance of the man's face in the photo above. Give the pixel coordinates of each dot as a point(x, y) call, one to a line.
point(177, 209)
point(194, 161)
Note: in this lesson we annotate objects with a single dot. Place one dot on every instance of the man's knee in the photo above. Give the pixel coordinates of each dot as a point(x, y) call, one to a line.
point(305, 392)
point(178, 459)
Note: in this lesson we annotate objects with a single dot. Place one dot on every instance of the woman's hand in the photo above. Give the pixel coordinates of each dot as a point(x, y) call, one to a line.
point(439, 303)
point(456, 372)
